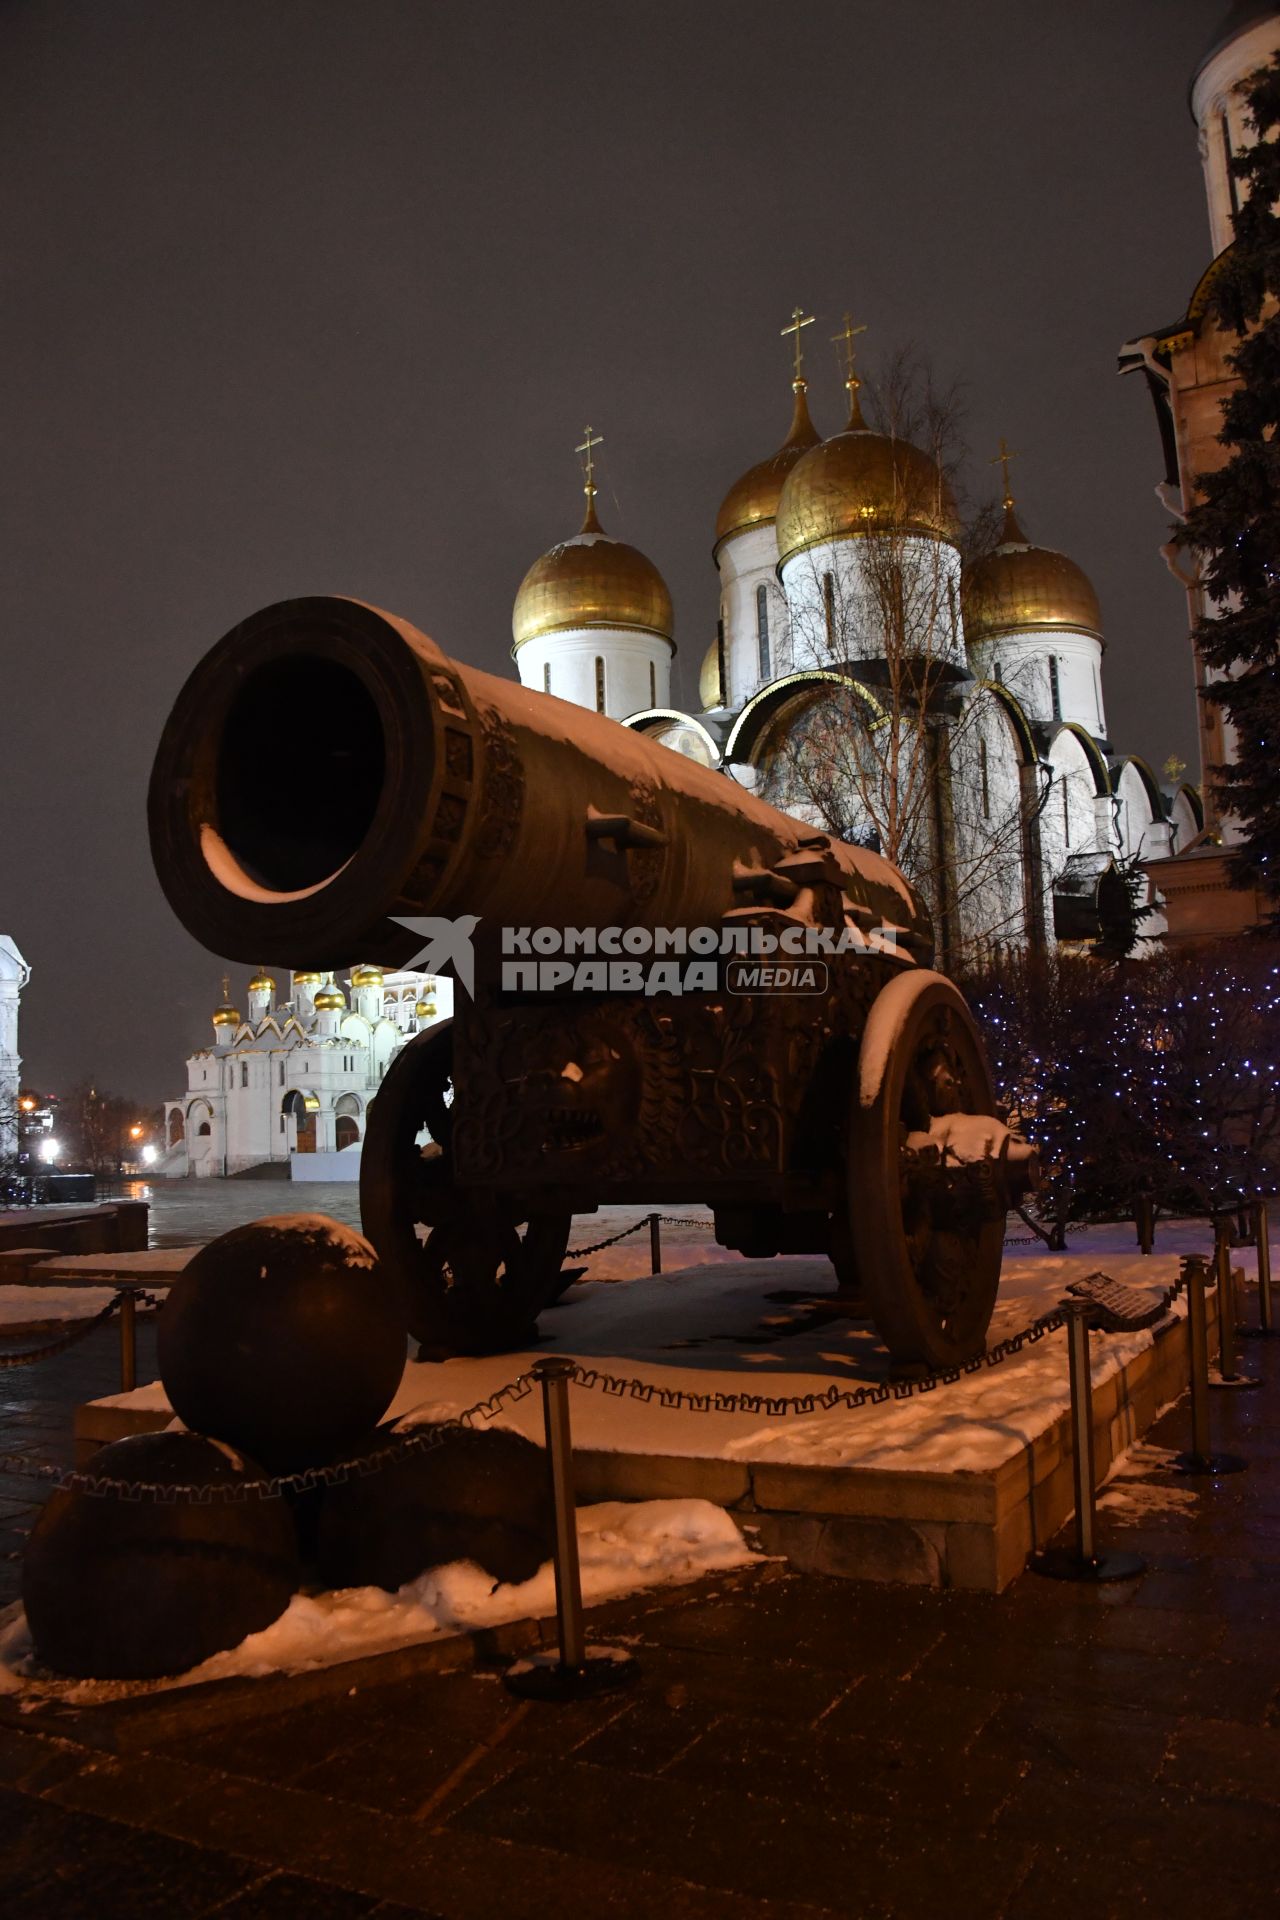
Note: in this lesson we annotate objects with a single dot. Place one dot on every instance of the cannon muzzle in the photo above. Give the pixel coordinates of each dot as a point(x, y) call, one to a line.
point(327, 771)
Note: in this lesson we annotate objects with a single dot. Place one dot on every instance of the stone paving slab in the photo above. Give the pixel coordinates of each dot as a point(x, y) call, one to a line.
point(797, 1747)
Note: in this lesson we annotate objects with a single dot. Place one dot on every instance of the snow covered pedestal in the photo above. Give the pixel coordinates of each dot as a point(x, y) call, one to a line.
point(951, 1488)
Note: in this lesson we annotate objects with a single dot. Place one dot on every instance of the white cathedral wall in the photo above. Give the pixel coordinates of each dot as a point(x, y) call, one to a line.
point(748, 561)
point(988, 808)
point(1142, 833)
point(637, 668)
point(931, 623)
point(1020, 661)
point(1214, 97)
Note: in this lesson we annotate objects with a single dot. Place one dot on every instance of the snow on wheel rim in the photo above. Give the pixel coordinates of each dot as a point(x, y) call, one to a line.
point(924, 1198)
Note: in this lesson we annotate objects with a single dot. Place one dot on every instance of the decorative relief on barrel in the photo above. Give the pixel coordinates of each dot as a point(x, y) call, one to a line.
point(644, 864)
point(502, 794)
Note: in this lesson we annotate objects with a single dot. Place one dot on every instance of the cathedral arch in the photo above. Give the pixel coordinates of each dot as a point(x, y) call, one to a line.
point(762, 712)
point(678, 731)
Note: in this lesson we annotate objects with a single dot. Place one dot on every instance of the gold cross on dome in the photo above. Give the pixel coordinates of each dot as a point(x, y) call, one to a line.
point(589, 444)
point(226, 988)
point(799, 318)
point(1002, 459)
point(848, 334)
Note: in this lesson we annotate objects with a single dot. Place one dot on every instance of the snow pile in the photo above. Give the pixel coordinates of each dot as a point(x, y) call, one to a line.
point(623, 1547)
point(1132, 1492)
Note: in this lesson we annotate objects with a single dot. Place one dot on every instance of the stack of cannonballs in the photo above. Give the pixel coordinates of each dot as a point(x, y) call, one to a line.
point(281, 1349)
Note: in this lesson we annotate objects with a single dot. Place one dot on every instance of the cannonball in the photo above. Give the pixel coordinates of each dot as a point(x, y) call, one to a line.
point(472, 1496)
point(121, 1589)
point(284, 1338)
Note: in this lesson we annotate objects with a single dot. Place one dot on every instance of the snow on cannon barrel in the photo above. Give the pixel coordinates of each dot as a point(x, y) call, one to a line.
point(670, 991)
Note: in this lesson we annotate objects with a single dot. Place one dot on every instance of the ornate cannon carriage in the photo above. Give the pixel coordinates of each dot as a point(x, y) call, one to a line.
point(812, 1079)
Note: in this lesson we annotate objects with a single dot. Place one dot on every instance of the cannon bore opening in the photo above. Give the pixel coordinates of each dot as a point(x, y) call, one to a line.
point(300, 771)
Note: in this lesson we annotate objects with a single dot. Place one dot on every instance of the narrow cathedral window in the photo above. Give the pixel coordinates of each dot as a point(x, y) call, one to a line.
point(999, 675)
point(546, 678)
point(829, 607)
point(244, 1073)
point(762, 629)
point(1226, 154)
point(282, 1073)
point(986, 786)
point(1055, 692)
point(599, 684)
point(951, 602)
point(1066, 811)
point(653, 685)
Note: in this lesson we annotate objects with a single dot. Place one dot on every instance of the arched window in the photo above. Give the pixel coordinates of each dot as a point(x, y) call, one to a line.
point(829, 607)
point(1055, 691)
point(984, 778)
point(1066, 812)
point(951, 602)
point(346, 1131)
point(281, 1076)
point(599, 684)
point(546, 678)
point(204, 1129)
point(244, 1073)
point(762, 630)
point(999, 675)
point(653, 685)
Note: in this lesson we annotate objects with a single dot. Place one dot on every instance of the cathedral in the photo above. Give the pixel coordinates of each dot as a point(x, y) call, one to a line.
point(863, 677)
point(286, 1086)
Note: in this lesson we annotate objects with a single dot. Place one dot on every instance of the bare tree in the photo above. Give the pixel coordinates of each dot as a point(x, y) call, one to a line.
point(890, 742)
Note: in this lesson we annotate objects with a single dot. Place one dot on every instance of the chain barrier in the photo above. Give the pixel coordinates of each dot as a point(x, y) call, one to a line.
point(666, 1219)
point(580, 1253)
point(80, 1331)
point(1106, 1298)
point(399, 1447)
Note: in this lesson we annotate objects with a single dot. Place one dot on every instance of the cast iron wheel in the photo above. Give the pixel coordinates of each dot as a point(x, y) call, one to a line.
point(475, 1277)
point(927, 1242)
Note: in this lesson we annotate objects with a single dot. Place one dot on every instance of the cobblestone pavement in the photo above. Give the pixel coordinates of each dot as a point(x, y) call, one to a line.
point(795, 1747)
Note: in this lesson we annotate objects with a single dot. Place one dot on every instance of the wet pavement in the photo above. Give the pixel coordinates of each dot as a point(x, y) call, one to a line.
point(794, 1746)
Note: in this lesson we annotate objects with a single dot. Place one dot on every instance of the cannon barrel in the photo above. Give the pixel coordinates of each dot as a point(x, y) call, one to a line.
point(326, 769)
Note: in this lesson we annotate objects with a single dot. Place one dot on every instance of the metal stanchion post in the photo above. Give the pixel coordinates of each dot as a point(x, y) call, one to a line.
point(1266, 1321)
point(1228, 1374)
point(1200, 1459)
point(1145, 1213)
point(576, 1670)
point(128, 1343)
point(655, 1244)
point(1083, 1561)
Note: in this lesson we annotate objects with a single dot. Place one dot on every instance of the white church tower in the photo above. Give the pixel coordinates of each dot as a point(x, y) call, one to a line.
point(592, 620)
point(14, 975)
point(1244, 40)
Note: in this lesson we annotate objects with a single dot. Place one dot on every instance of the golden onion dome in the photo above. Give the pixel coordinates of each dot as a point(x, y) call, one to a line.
point(752, 501)
point(308, 979)
point(366, 977)
point(710, 687)
point(262, 982)
point(860, 482)
point(329, 1000)
point(425, 1009)
point(591, 581)
point(1020, 588)
point(226, 1016)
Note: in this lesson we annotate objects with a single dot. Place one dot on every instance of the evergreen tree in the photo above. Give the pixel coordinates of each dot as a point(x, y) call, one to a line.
point(1235, 524)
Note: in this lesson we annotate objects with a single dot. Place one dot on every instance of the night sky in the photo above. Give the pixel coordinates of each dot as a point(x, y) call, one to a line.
point(315, 296)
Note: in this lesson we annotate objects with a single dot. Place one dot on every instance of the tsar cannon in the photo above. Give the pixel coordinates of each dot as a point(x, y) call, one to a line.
point(813, 1081)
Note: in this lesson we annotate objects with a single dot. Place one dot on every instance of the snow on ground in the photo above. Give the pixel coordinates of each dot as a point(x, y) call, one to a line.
point(763, 1326)
point(28, 1306)
point(624, 1547)
point(1132, 1489)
